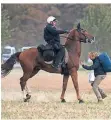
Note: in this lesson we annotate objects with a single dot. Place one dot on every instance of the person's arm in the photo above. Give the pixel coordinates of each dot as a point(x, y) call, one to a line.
point(54, 31)
point(92, 67)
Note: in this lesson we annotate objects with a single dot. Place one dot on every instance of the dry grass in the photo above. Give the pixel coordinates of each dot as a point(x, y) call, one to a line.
point(47, 105)
point(45, 102)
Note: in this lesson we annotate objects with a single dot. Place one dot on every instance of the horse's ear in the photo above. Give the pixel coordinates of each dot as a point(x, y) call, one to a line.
point(78, 26)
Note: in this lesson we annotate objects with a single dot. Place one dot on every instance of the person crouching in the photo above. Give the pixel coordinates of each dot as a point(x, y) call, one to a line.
point(99, 74)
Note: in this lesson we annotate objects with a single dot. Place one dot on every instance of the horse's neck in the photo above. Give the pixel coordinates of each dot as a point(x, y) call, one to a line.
point(74, 47)
point(74, 52)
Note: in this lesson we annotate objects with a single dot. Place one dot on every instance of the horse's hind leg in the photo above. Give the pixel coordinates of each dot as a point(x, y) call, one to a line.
point(35, 71)
point(65, 81)
point(28, 95)
point(28, 92)
point(23, 81)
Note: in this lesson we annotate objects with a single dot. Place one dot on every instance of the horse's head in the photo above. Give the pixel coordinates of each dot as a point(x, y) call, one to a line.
point(83, 35)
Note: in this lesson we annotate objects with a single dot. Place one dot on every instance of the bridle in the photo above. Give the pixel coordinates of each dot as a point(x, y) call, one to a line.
point(85, 37)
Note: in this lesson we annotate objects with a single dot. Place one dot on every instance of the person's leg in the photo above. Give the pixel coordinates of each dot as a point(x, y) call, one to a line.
point(59, 57)
point(102, 93)
point(95, 85)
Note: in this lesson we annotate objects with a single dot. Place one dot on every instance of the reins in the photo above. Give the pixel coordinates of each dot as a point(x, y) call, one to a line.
point(66, 37)
point(71, 38)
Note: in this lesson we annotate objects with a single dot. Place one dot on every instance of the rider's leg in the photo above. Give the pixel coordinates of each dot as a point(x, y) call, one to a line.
point(59, 57)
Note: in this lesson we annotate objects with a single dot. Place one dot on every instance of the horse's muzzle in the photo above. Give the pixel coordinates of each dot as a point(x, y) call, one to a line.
point(91, 40)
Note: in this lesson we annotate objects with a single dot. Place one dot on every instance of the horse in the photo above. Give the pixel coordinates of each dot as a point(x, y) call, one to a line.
point(31, 63)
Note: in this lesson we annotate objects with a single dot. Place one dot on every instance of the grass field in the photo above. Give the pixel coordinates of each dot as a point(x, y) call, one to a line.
point(47, 105)
point(45, 102)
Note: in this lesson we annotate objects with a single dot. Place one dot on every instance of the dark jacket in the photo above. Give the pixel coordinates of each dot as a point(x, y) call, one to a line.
point(51, 34)
point(97, 67)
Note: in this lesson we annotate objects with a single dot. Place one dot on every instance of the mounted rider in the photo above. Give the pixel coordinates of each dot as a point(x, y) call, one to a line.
point(51, 36)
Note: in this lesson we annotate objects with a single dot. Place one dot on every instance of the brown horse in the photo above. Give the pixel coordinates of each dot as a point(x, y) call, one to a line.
point(31, 62)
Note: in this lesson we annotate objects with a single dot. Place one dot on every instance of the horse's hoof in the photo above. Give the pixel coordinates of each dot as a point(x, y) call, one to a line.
point(63, 100)
point(81, 101)
point(28, 96)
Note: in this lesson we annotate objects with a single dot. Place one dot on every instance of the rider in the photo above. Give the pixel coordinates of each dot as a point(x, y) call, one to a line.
point(51, 36)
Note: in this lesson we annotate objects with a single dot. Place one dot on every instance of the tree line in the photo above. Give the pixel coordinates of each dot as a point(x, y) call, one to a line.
point(95, 18)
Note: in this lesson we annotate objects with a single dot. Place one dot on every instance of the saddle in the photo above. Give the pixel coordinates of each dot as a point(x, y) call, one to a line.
point(48, 54)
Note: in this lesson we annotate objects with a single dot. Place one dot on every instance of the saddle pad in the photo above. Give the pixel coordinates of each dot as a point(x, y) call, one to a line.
point(49, 62)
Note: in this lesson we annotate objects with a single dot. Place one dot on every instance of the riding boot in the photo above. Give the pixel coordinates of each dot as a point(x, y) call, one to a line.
point(58, 59)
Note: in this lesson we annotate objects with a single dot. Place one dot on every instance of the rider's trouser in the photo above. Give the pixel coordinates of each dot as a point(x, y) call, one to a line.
point(60, 52)
point(59, 57)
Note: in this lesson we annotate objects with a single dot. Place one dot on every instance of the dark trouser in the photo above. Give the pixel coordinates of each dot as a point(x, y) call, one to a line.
point(59, 57)
point(60, 52)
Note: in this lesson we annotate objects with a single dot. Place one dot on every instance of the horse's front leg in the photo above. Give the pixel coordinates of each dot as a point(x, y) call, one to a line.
point(65, 81)
point(74, 77)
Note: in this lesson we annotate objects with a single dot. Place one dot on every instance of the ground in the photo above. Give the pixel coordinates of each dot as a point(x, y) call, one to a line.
point(45, 101)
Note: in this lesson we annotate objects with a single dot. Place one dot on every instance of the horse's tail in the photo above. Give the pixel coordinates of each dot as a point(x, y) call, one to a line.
point(8, 65)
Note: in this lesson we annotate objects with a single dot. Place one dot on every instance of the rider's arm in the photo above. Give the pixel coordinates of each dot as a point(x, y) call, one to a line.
point(54, 31)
